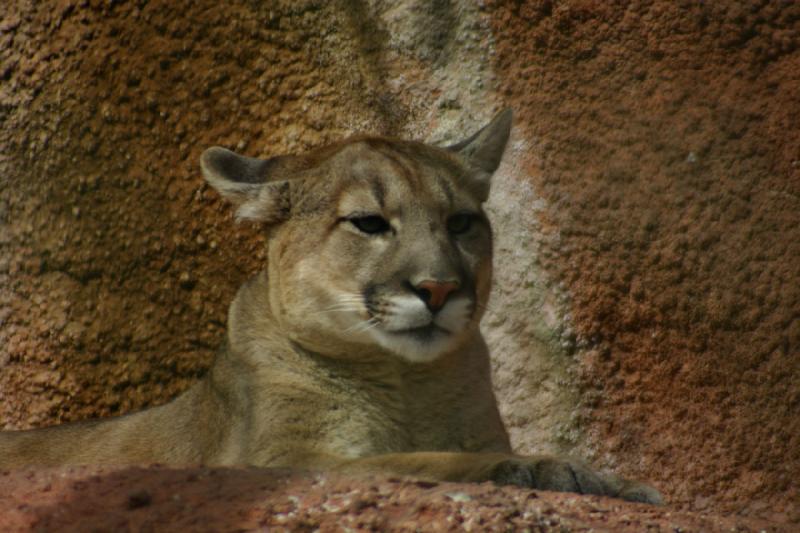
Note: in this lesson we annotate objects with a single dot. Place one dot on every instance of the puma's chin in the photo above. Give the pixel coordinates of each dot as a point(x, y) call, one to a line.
point(417, 345)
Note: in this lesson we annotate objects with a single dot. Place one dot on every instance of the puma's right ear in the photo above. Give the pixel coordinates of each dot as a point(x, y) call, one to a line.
point(484, 149)
point(248, 182)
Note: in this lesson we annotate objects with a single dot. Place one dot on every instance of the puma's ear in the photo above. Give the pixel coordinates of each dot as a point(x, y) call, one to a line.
point(483, 150)
point(250, 183)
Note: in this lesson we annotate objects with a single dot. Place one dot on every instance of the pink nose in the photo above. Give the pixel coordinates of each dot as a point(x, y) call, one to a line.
point(435, 293)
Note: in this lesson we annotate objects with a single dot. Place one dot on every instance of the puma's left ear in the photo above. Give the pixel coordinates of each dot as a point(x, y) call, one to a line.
point(252, 184)
point(483, 150)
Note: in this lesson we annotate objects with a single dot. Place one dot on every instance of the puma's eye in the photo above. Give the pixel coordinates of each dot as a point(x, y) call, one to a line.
point(371, 224)
point(460, 223)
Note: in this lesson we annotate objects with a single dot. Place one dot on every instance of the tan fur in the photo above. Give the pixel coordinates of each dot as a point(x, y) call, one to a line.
point(332, 358)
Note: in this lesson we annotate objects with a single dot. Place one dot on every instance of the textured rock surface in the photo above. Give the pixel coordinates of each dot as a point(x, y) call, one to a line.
point(667, 158)
point(202, 499)
point(648, 290)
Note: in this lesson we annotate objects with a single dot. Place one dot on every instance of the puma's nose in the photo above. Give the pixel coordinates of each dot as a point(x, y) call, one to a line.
point(435, 293)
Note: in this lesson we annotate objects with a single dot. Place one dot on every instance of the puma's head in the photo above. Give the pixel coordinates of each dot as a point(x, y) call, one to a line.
point(376, 244)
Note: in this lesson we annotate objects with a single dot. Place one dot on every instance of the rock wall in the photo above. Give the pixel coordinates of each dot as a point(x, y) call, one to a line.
point(667, 155)
point(647, 300)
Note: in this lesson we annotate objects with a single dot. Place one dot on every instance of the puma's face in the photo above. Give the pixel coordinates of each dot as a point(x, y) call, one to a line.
point(379, 242)
point(393, 249)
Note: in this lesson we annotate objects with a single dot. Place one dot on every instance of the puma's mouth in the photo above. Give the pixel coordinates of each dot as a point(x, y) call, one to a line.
point(424, 333)
point(403, 325)
point(419, 344)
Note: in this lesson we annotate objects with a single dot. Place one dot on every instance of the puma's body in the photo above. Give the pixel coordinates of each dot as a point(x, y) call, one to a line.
point(358, 348)
point(278, 410)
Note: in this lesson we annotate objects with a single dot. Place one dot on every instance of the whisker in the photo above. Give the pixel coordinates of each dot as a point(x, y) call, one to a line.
point(339, 310)
point(344, 304)
point(357, 328)
point(349, 298)
point(350, 302)
point(353, 327)
point(369, 326)
point(350, 305)
point(363, 326)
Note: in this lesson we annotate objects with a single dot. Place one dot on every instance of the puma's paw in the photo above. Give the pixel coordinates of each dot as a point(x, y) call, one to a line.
point(569, 476)
point(634, 491)
point(548, 474)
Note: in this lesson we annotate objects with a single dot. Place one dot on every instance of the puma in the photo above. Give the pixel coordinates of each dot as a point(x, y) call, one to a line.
point(357, 349)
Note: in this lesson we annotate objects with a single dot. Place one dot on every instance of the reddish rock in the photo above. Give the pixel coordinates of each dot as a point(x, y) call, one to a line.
point(215, 499)
point(669, 162)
